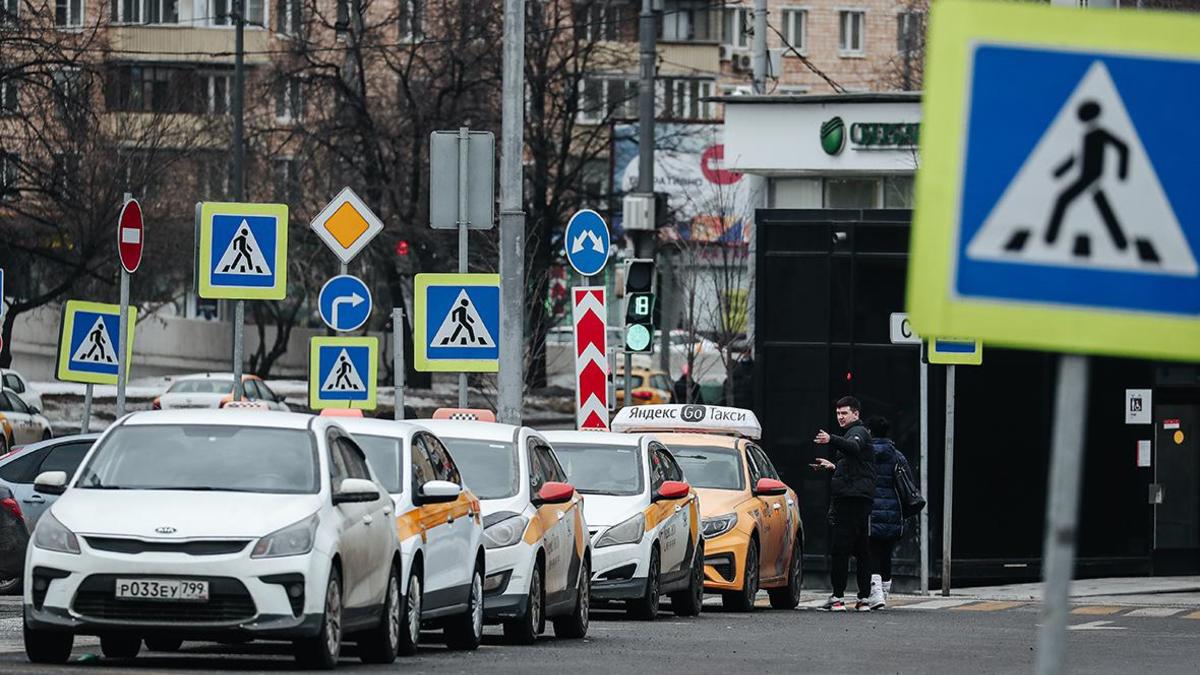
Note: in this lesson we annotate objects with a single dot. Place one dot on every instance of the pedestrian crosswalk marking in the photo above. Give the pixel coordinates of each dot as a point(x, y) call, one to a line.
point(1096, 625)
point(343, 376)
point(1096, 610)
point(243, 256)
point(1156, 612)
point(1092, 180)
point(936, 604)
point(462, 326)
point(97, 346)
point(991, 606)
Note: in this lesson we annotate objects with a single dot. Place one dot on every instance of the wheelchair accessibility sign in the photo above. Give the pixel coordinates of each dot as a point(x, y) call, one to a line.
point(242, 251)
point(457, 323)
point(87, 344)
point(343, 372)
point(1066, 218)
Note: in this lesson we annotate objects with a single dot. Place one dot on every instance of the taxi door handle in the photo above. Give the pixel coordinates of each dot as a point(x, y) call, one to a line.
point(560, 515)
point(368, 519)
point(678, 508)
point(450, 519)
point(34, 499)
point(387, 510)
point(775, 507)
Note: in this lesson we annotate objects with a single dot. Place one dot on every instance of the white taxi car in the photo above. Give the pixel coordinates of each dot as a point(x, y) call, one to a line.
point(439, 526)
point(644, 520)
point(535, 535)
point(216, 525)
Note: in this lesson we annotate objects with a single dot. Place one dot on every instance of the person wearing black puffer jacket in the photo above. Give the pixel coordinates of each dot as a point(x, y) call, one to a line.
point(853, 493)
point(887, 517)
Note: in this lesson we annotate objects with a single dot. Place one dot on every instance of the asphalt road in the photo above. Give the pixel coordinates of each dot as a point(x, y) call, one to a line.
point(972, 638)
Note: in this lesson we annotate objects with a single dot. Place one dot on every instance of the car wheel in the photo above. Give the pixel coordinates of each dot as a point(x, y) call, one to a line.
point(382, 643)
point(10, 586)
point(575, 626)
point(410, 617)
point(46, 435)
point(43, 646)
point(691, 601)
point(3, 443)
point(164, 643)
point(789, 596)
point(465, 631)
point(743, 600)
point(323, 649)
point(646, 607)
point(120, 646)
point(525, 630)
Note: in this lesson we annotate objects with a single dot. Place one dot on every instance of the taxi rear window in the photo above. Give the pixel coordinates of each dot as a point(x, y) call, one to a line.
point(713, 467)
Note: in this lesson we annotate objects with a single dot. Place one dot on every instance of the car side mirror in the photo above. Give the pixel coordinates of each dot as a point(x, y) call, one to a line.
point(769, 487)
point(438, 491)
point(553, 492)
point(280, 398)
point(34, 410)
point(354, 491)
point(672, 489)
point(51, 482)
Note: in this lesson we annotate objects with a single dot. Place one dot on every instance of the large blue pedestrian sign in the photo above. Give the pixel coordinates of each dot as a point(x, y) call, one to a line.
point(457, 323)
point(344, 303)
point(87, 344)
point(343, 372)
point(586, 242)
point(242, 251)
point(1065, 218)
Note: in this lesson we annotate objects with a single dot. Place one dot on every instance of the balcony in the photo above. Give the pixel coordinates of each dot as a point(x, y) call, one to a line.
point(186, 44)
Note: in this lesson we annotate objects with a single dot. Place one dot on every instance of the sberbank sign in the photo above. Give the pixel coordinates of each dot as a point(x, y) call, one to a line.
point(869, 135)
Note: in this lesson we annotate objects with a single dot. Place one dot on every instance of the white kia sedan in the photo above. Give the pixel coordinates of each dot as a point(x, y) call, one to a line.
point(203, 525)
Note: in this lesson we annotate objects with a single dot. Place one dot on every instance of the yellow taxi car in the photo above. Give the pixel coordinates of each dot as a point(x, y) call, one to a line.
point(753, 535)
point(648, 387)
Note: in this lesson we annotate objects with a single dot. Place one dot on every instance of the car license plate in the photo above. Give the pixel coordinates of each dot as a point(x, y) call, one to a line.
point(161, 589)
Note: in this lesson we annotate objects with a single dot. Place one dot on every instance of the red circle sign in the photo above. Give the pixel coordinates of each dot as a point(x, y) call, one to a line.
point(129, 236)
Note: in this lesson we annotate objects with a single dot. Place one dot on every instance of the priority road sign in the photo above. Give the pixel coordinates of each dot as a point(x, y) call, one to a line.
point(1066, 218)
point(242, 251)
point(129, 236)
point(344, 303)
point(87, 342)
point(954, 351)
point(457, 323)
point(587, 242)
point(346, 225)
point(343, 372)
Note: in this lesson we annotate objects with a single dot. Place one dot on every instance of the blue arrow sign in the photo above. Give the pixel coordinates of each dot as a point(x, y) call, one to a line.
point(586, 242)
point(344, 303)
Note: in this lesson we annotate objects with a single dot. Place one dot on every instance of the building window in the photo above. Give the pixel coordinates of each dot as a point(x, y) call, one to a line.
point(9, 163)
point(256, 12)
point(412, 20)
point(287, 17)
point(9, 12)
point(218, 12)
point(289, 105)
point(598, 20)
point(795, 25)
point(735, 27)
point(68, 12)
point(9, 98)
point(151, 89)
point(144, 11)
point(287, 181)
point(685, 21)
point(216, 93)
point(898, 192)
point(852, 193)
point(850, 38)
point(595, 174)
point(910, 31)
point(214, 178)
point(162, 11)
point(602, 97)
point(686, 99)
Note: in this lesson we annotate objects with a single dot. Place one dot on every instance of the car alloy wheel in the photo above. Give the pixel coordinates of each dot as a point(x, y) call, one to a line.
point(414, 609)
point(333, 619)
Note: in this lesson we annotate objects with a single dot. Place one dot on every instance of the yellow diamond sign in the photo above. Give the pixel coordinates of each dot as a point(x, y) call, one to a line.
point(346, 225)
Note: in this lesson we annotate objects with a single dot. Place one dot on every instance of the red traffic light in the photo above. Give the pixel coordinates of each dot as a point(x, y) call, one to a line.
point(402, 247)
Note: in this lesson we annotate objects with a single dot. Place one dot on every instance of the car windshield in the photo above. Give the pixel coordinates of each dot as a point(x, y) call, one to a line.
point(219, 458)
point(488, 468)
point(383, 454)
point(710, 466)
point(602, 469)
point(202, 387)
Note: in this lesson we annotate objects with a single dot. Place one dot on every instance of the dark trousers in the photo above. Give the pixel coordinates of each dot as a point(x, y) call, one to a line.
point(881, 556)
point(851, 521)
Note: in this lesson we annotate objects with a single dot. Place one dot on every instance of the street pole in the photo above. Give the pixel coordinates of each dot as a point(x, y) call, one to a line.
point(628, 379)
point(510, 381)
point(237, 105)
point(647, 67)
point(948, 482)
point(760, 60)
point(923, 407)
point(122, 333)
point(87, 410)
point(398, 360)
point(464, 139)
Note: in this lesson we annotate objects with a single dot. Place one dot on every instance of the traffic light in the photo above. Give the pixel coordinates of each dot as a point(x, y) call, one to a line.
point(639, 305)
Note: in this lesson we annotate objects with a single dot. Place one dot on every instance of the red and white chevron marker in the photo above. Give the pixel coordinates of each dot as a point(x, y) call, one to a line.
point(591, 363)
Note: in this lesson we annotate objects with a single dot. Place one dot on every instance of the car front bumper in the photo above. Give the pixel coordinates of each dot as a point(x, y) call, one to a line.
point(725, 561)
point(513, 567)
point(619, 572)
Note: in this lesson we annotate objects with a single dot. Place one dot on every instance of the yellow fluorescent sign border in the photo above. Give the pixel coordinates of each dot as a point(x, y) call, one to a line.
point(204, 261)
point(71, 309)
point(956, 29)
point(958, 358)
point(421, 360)
point(370, 378)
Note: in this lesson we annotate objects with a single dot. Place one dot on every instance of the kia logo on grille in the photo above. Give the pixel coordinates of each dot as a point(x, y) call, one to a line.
point(165, 530)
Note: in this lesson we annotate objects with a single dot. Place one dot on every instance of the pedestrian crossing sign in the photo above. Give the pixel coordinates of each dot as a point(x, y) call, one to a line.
point(954, 351)
point(343, 372)
point(1062, 216)
point(457, 323)
point(87, 342)
point(241, 251)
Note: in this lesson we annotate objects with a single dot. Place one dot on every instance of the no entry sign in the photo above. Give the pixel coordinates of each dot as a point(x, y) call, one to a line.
point(129, 236)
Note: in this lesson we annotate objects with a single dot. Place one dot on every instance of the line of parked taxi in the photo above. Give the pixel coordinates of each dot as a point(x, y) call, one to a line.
point(239, 524)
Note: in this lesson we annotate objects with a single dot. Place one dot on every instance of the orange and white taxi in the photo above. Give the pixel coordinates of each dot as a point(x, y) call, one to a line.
point(753, 535)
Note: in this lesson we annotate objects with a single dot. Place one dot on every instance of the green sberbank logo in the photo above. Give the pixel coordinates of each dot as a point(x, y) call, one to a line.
point(833, 136)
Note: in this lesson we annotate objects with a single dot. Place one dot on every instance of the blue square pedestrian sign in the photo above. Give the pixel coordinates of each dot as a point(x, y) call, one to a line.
point(1061, 215)
point(343, 372)
point(241, 251)
point(457, 323)
point(87, 342)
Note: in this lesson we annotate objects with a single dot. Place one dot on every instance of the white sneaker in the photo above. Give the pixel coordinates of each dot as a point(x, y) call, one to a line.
point(876, 600)
point(833, 604)
point(887, 589)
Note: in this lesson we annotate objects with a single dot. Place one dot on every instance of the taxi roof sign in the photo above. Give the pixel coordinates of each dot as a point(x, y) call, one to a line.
point(713, 419)
point(464, 414)
point(245, 405)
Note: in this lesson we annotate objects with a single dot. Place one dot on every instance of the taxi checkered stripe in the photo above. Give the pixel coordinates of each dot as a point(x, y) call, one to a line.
point(463, 417)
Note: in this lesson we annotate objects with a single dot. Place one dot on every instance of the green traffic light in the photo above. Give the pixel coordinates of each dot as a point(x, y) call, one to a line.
point(637, 338)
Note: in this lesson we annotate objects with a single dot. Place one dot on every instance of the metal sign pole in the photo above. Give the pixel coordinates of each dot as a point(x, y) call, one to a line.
point(464, 139)
point(87, 410)
point(923, 408)
point(398, 360)
point(122, 333)
point(239, 319)
point(628, 378)
point(1062, 511)
point(948, 482)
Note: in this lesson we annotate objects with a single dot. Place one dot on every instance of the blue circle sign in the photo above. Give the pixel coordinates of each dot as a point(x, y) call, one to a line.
point(344, 303)
point(586, 242)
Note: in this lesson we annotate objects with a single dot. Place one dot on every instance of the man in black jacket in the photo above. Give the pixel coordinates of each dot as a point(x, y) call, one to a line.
point(853, 492)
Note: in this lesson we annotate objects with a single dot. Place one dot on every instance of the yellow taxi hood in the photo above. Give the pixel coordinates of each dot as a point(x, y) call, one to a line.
point(719, 502)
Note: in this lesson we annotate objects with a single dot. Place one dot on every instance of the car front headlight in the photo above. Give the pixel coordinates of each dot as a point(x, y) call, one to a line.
point(628, 531)
point(505, 532)
point(718, 525)
point(54, 536)
point(295, 539)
